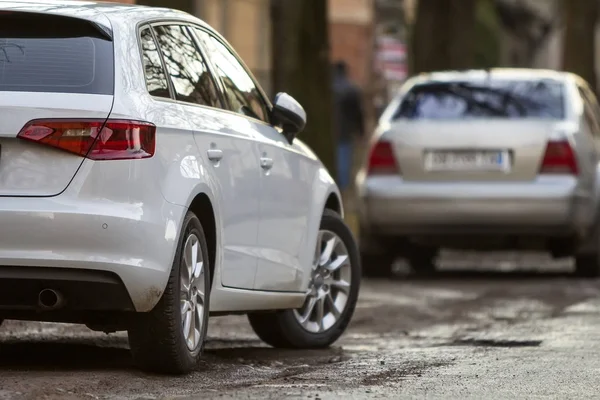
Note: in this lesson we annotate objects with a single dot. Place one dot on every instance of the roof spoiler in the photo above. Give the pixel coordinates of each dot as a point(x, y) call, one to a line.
point(103, 31)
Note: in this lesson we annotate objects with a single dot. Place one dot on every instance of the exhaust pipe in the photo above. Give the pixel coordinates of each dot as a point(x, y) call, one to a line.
point(50, 299)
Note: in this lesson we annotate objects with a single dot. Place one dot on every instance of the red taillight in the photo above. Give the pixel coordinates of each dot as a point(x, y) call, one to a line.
point(559, 159)
point(382, 160)
point(95, 139)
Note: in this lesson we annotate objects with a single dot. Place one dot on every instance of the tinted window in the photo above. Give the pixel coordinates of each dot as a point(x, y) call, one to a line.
point(191, 79)
point(487, 99)
point(156, 80)
point(73, 57)
point(240, 90)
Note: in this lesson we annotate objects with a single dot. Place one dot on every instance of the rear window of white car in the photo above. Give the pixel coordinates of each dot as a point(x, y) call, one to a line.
point(516, 99)
point(47, 53)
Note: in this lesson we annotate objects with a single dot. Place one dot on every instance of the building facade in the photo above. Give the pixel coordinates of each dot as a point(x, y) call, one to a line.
point(352, 36)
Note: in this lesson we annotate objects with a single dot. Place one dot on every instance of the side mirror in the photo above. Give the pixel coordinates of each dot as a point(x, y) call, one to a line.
point(289, 114)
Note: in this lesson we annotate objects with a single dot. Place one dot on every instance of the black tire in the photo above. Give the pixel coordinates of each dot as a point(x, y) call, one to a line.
point(587, 266)
point(156, 339)
point(282, 330)
point(422, 259)
point(377, 265)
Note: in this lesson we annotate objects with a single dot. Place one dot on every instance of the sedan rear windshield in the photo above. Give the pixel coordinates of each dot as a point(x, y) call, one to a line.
point(47, 53)
point(493, 98)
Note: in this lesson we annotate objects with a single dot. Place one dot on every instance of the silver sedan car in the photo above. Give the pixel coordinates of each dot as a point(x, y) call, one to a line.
point(499, 159)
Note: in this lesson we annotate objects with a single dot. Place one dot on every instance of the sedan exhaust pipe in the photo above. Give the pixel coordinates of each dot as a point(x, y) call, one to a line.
point(50, 299)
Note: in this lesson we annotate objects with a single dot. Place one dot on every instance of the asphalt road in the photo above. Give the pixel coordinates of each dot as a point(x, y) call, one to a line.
point(485, 328)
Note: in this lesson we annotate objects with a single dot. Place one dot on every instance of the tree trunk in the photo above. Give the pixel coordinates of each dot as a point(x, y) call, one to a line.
point(443, 35)
point(579, 48)
point(301, 67)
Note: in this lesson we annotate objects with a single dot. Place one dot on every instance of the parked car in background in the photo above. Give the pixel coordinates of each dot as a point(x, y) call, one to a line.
point(483, 160)
point(146, 182)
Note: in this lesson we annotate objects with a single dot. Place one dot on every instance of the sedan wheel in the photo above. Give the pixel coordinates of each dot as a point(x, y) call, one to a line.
point(330, 299)
point(587, 266)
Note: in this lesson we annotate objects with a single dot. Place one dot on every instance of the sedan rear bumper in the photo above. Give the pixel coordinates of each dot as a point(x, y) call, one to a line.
point(549, 205)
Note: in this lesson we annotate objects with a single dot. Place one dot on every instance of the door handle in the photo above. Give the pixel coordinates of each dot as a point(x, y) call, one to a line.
point(266, 163)
point(215, 154)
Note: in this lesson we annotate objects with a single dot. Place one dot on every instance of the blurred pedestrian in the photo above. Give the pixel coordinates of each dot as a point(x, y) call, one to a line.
point(348, 121)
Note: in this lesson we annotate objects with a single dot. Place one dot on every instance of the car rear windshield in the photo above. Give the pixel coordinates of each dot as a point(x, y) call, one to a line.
point(48, 53)
point(492, 98)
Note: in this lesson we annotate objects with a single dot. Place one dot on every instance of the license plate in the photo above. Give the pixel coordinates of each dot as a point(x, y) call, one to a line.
point(467, 161)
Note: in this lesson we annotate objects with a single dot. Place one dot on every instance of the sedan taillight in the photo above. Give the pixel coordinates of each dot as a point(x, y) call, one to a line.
point(559, 158)
point(382, 160)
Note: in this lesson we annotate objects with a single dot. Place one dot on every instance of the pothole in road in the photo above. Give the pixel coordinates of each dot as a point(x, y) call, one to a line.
point(513, 310)
point(395, 374)
point(494, 343)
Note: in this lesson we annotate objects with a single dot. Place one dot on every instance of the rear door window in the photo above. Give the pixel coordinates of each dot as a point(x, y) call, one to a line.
point(156, 78)
point(492, 98)
point(241, 92)
point(72, 57)
point(187, 69)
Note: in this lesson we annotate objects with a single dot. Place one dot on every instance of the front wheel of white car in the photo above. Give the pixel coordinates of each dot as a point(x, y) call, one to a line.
point(170, 338)
point(587, 266)
point(331, 296)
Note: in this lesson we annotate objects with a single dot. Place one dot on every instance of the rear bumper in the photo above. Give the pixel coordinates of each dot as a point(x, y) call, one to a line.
point(82, 290)
point(105, 255)
point(548, 206)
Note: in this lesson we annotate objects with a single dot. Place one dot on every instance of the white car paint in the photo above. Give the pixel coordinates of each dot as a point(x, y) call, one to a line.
point(125, 216)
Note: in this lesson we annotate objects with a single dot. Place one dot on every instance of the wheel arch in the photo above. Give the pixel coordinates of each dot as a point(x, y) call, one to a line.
point(202, 201)
point(334, 203)
point(203, 208)
point(325, 196)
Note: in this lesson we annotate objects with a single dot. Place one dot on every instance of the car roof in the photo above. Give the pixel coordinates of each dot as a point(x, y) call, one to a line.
point(100, 12)
point(500, 73)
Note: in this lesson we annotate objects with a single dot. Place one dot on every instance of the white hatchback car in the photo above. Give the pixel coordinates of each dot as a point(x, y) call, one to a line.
point(147, 182)
point(484, 160)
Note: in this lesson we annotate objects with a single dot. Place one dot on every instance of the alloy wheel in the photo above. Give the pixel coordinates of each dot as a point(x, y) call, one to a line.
point(329, 287)
point(192, 292)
